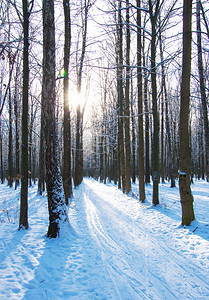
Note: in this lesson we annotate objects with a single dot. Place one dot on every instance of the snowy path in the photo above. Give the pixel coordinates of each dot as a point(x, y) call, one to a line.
point(120, 249)
point(141, 260)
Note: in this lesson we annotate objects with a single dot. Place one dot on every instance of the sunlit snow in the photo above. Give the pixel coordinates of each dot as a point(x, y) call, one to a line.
point(117, 247)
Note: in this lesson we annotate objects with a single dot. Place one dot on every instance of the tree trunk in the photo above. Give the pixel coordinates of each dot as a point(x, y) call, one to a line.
point(140, 106)
point(202, 88)
point(155, 144)
point(1, 147)
point(167, 124)
point(119, 54)
point(67, 175)
point(17, 143)
point(55, 192)
point(184, 155)
point(23, 222)
point(133, 137)
point(79, 130)
point(41, 156)
point(101, 152)
point(78, 178)
point(127, 104)
point(146, 111)
point(10, 146)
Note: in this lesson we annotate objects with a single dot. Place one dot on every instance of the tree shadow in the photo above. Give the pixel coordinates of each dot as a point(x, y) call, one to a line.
point(54, 265)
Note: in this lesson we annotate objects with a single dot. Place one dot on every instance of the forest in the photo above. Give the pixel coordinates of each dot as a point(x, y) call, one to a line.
point(113, 90)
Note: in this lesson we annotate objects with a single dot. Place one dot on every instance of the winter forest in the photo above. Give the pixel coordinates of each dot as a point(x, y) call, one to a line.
point(104, 107)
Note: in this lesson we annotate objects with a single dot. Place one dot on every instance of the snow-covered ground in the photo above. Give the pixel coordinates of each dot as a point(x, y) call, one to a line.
point(118, 248)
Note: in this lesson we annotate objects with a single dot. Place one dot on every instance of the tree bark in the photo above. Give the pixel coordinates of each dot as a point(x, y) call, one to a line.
point(155, 144)
point(17, 143)
point(1, 146)
point(127, 103)
point(202, 88)
point(79, 122)
point(167, 124)
point(184, 154)
point(140, 106)
point(10, 146)
point(41, 156)
point(23, 221)
point(147, 123)
point(55, 192)
point(67, 175)
point(133, 137)
point(119, 58)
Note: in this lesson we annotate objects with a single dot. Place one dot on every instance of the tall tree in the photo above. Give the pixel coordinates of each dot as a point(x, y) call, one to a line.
point(202, 87)
point(120, 94)
point(16, 113)
point(67, 177)
point(140, 105)
point(55, 193)
point(10, 144)
point(147, 121)
point(23, 221)
point(127, 101)
point(78, 178)
point(154, 13)
point(184, 153)
point(170, 154)
point(41, 185)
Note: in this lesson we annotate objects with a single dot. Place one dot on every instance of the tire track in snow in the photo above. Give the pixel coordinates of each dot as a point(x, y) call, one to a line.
point(163, 272)
point(110, 249)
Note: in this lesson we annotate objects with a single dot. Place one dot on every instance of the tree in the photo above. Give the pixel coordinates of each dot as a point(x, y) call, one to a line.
point(120, 94)
point(67, 177)
point(78, 178)
point(23, 221)
point(17, 113)
point(127, 102)
point(154, 13)
point(184, 153)
point(202, 87)
point(140, 105)
point(41, 184)
point(55, 193)
point(170, 155)
point(147, 118)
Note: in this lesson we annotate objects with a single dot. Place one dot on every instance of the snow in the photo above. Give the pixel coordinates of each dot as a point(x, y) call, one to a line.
point(117, 248)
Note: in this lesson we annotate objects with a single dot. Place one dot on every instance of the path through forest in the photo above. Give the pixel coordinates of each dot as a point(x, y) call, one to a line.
point(118, 248)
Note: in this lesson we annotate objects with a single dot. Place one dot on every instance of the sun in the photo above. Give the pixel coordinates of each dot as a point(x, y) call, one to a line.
point(76, 98)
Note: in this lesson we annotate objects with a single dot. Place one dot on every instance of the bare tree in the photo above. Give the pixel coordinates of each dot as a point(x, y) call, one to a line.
point(23, 221)
point(140, 105)
point(202, 87)
point(154, 13)
point(55, 193)
point(78, 178)
point(67, 176)
point(127, 101)
point(184, 153)
point(120, 94)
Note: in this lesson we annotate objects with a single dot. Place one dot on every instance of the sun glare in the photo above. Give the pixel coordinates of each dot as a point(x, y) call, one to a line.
point(75, 99)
